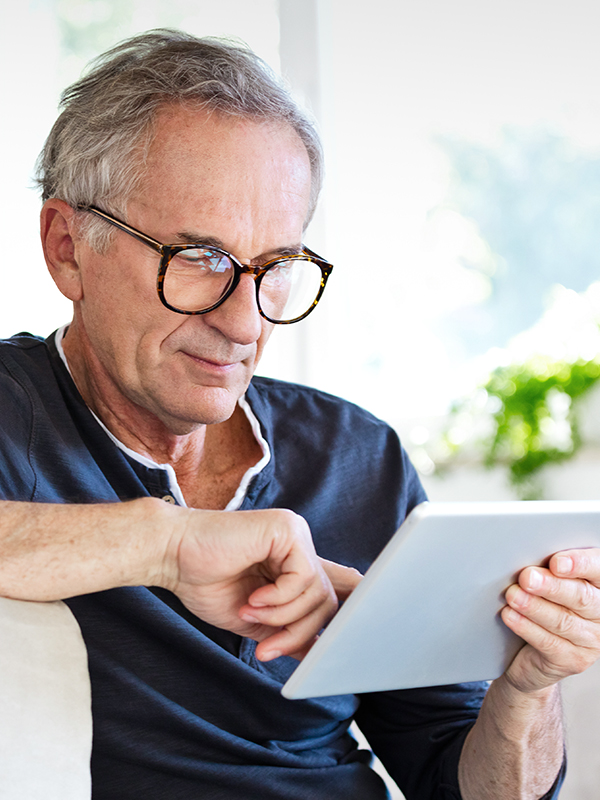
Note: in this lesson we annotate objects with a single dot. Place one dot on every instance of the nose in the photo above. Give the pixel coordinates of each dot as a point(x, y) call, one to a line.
point(238, 317)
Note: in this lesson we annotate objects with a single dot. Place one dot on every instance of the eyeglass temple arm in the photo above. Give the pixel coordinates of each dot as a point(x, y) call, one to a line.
point(127, 228)
point(160, 248)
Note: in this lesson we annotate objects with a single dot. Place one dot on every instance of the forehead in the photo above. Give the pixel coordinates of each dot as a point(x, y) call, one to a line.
point(208, 163)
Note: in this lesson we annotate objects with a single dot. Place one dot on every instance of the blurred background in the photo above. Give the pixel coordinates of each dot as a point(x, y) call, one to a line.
point(460, 209)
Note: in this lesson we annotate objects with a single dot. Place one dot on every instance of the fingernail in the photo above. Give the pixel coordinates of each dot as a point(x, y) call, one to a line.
point(535, 579)
point(520, 598)
point(564, 564)
point(249, 618)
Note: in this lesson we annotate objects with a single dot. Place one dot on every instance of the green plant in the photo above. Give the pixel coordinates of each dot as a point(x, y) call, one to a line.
point(528, 414)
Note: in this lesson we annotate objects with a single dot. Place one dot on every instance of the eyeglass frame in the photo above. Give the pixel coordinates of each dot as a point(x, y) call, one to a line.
point(168, 251)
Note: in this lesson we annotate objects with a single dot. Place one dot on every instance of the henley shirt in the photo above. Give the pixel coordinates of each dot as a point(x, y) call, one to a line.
point(182, 710)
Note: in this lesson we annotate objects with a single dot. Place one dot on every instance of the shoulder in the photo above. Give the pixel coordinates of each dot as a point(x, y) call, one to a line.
point(22, 342)
point(22, 357)
point(30, 386)
point(337, 465)
point(320, 431)
point(23, 351)
point(298, 406)
point(26, 369)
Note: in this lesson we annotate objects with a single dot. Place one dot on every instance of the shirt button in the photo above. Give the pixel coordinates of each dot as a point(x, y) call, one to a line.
point(169, 499)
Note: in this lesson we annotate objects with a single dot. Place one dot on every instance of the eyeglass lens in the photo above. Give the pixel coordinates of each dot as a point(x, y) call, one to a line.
point(197, 278)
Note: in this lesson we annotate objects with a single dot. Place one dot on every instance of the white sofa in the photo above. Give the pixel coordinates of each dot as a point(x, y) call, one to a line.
point(45, 704)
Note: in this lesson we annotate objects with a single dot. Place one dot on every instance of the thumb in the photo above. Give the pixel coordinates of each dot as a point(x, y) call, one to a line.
point(343, 579)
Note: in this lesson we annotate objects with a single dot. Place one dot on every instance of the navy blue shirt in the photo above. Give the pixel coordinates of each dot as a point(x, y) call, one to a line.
point(181, 710)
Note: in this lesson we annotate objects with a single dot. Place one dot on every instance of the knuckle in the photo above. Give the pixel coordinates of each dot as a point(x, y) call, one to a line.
point(327, 592)
point(580, 561)
point(306, 581)
point(548, 642)
point(286, 516)
point(568, 659)
point(567, 624)
point(581, 660)
point(586, 563)
point(587, 600)
point(586, 559)
point(315, 587)
point(553, 588)
point(297, 524)
point(299, 521)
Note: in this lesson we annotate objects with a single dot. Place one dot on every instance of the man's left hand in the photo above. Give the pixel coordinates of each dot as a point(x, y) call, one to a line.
point(556, 610)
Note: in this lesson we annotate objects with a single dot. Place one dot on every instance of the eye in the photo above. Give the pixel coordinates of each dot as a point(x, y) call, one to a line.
point(280, 272)
point(201, 261)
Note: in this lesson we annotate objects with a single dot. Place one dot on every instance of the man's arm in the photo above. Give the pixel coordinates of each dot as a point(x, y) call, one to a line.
point(252, 572)
point(515, 749)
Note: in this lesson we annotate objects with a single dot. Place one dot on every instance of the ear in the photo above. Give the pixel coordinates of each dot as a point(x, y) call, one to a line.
point(57, 225)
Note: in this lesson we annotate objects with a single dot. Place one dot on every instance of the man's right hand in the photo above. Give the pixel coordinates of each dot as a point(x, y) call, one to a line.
point(255, 573)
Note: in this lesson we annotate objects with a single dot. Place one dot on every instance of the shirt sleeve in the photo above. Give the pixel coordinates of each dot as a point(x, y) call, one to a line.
point(17, 479)
point(418, 735)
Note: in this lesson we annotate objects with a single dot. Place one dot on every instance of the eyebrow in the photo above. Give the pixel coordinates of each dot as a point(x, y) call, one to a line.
point(187, 237)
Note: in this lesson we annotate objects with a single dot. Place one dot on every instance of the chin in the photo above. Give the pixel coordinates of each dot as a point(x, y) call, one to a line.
point(189, 417)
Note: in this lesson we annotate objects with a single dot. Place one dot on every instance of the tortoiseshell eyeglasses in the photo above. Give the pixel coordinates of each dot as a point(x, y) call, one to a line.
point(196, 278)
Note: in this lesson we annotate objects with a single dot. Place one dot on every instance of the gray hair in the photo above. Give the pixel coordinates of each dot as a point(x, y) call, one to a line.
point(95, 152)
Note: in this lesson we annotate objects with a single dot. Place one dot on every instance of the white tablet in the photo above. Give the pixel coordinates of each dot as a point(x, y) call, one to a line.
point(427, 611)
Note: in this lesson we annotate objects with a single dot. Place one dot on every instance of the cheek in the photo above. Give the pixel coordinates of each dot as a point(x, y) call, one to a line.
point(121, 311)
point(119, 289)
point(267, 330)
point(125, 270)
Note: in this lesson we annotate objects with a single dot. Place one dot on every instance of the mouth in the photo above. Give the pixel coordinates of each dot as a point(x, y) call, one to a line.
point(212, 365)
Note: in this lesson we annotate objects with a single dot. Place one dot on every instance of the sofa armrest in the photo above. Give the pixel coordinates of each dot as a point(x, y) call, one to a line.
point(45, 703)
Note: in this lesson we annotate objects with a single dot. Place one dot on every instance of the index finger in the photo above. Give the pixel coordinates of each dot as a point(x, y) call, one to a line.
point(297, 573)
point(573, 595)
point(578, 563)
point(296, 638)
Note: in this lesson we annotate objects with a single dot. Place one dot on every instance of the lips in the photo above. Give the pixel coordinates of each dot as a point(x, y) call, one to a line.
point(212, 364)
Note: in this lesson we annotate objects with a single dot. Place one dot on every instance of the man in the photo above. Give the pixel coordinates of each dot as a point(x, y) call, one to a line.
point(184, 159)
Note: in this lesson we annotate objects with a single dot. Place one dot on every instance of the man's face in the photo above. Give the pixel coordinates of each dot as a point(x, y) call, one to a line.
point(238, 184)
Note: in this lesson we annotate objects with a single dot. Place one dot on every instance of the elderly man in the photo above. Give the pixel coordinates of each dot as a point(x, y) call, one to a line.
point(178, 181)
